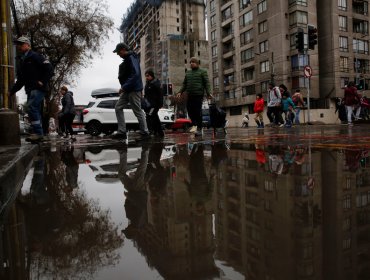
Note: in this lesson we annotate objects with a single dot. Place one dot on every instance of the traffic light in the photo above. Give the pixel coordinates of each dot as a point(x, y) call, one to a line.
point(312, 37)
point(170, 92)
point(299, 41)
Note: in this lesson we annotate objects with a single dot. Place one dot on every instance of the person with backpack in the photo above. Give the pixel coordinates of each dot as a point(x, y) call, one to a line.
point(34, 73)
point(274, 109)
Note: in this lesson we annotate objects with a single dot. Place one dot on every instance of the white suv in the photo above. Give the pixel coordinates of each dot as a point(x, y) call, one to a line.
point(99, 116)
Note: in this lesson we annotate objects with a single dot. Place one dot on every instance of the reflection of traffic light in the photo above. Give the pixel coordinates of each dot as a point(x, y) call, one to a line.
point(299, 41)
point(312, 37)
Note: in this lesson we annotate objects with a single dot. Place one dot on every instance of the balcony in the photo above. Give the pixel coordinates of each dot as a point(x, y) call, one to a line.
point(360, 7)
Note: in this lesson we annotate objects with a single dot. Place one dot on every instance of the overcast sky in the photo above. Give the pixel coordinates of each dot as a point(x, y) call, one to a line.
point(103, 71)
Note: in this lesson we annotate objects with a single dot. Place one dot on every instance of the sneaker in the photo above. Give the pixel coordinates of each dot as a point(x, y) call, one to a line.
point(119, 136)
point(193, 129)
point(281, 125)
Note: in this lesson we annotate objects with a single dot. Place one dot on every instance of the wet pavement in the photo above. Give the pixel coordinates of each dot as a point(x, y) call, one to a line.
point(254, 204)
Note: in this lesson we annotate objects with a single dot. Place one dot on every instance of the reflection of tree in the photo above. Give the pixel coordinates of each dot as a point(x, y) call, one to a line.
point(69, 234)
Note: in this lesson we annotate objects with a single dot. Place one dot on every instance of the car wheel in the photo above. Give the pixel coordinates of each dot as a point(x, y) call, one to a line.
point(94, 128)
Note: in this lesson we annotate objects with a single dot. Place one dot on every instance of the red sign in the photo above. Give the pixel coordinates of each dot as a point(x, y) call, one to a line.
point(307, 71)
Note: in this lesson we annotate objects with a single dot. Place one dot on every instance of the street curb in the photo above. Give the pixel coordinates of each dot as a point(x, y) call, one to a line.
point(15, 161)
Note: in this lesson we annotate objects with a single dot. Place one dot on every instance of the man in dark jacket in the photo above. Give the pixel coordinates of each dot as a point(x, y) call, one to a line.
point(196, 83)
point(68, 113)
point(129, 76)
point(153, 94)
point(34, 73)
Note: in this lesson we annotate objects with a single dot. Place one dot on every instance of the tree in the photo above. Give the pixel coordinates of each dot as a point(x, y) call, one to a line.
point(70, 33)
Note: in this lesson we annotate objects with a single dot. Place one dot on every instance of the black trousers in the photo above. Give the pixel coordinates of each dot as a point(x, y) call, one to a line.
point(153, 121)
point(66, 121)
point(194, 107)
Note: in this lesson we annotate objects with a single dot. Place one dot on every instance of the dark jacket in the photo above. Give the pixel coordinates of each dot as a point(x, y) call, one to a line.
point(129, 74)
point(68, 104)
point(32, 67)
point(196, 82)
point(153, 93)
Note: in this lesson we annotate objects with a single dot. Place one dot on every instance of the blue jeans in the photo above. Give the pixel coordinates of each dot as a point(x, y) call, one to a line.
point(297, 110)
point(34, 100)
point(134, 98)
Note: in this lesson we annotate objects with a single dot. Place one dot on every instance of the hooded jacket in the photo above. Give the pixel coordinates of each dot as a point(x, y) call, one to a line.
point(129, 73)
point(153, 93)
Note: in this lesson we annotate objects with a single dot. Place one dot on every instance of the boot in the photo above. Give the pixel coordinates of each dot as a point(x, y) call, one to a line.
point(262, 125)
point(258, 124)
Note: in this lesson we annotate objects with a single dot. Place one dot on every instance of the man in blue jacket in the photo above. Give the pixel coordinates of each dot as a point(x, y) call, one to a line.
point(129, 76)
point(34, 73)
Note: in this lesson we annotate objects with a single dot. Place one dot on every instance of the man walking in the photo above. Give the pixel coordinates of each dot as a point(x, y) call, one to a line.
point(196, 83)
point(34, 73)
point(129, 76)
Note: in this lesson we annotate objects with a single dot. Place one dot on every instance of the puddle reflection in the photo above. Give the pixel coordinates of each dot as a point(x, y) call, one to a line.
point(192, 211)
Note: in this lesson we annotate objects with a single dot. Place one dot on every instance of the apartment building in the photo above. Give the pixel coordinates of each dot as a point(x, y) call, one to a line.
point(166, 33)
point(254, 42)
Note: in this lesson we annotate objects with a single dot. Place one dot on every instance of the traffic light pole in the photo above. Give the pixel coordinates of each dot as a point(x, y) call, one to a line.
point(308, 84)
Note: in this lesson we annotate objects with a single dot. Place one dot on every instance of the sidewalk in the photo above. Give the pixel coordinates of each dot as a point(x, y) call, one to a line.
point(14, 162)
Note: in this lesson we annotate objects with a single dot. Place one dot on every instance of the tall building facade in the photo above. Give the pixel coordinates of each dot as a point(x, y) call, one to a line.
point(254, 42)
point(166, 34)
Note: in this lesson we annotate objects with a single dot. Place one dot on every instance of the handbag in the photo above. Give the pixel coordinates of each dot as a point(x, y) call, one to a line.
point(179, 99)
point(145, 104)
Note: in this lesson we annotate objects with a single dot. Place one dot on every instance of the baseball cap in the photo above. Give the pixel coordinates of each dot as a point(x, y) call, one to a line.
point(121, 46)
point(23, 40)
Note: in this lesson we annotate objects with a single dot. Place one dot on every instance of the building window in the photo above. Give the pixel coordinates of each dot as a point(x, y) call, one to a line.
point(343, 44)
point(213, 20)
point(212, 5)
point(216, 82)
point(264, 66)
point(215, 67)
point(262, 27)
point(247, 74)
point(360, 46)
point(343, 26)
point(262, 7)
point(248, 90)
point(342, 5)
point(346, 243)
point(214, 51)
point(298, 82)
point(227, 13)
point(298, 17)
point(230, 94)
point(244, 3)
point(343, 64)
point(213, 36)
point(246, 19)
point(347, 202)
point(298, 2)
point(344, 81)
point(247, 55)
point(264, 46)
point(246, 37)
point(298, 62)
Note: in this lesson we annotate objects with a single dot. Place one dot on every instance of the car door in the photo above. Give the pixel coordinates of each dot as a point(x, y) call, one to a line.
point(129, 115)
point(106, 111)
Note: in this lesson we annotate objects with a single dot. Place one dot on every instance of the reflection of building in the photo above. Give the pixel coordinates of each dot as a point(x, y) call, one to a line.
point(178, 240)
point(264, 221)
point(167, 33)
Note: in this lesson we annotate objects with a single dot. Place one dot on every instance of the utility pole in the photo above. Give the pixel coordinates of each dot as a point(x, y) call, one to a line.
point(5, 27)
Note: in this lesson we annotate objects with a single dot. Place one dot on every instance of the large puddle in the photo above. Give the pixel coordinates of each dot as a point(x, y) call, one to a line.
point(195, 211)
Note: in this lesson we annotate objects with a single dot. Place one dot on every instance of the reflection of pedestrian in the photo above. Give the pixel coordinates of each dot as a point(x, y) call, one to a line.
point(134, 182)
point(245, 120)
point(71, 169)
point(353, 158)
point(260, 155)
point(196, 84)
point(199, 187)
point(154, 95)
point(129, 76)
point(68, 113)
point(156, 173)
point(34, 73)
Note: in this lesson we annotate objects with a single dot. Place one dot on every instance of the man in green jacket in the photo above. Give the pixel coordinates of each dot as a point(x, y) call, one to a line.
point(196, 83)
